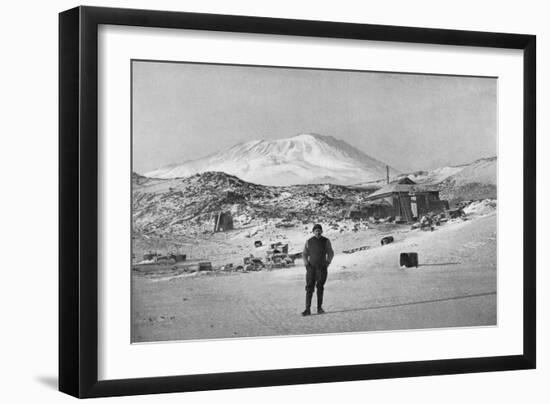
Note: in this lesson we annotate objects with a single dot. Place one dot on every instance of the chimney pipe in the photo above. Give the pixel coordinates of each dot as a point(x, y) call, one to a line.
point(387, 174)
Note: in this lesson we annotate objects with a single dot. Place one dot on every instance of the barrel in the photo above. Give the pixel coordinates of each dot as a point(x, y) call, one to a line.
point(205, 266)
point(408, 259)
point(386, 240)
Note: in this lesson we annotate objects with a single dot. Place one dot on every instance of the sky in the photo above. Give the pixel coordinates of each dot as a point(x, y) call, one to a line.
point(185, 111)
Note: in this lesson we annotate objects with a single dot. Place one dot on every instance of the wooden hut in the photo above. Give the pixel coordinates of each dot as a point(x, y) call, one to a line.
point(408, 199)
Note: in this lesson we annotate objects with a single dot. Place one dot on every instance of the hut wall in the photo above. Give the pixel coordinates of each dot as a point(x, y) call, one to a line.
point(402, 205)
point(395, 203)
point(379, 211)
point(423, 204)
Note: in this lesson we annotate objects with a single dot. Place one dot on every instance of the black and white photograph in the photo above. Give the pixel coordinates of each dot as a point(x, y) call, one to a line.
point(272, 201)
point(275, 202)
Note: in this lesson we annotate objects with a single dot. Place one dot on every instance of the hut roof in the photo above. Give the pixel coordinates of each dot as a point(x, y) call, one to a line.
point(404, 185)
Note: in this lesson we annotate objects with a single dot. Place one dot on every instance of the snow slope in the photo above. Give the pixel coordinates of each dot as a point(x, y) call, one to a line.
point(481, 171)
point(477, 180)
point(302, 159)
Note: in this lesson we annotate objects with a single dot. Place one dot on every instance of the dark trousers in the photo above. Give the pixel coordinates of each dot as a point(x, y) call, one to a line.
point(315, 278)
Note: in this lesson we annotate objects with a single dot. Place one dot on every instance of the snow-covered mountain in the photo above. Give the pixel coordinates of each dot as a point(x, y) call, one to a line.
point(302, 159)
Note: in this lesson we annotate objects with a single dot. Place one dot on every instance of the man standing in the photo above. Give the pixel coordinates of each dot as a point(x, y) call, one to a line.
point(317, 256)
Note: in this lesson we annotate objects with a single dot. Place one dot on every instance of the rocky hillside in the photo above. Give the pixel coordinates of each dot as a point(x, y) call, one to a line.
point(185, 206)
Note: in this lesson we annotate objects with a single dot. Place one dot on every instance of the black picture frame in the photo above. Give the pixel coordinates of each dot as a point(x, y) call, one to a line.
point(78, 201)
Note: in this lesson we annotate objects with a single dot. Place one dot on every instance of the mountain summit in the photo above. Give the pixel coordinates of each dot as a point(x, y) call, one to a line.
point(302, 159)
